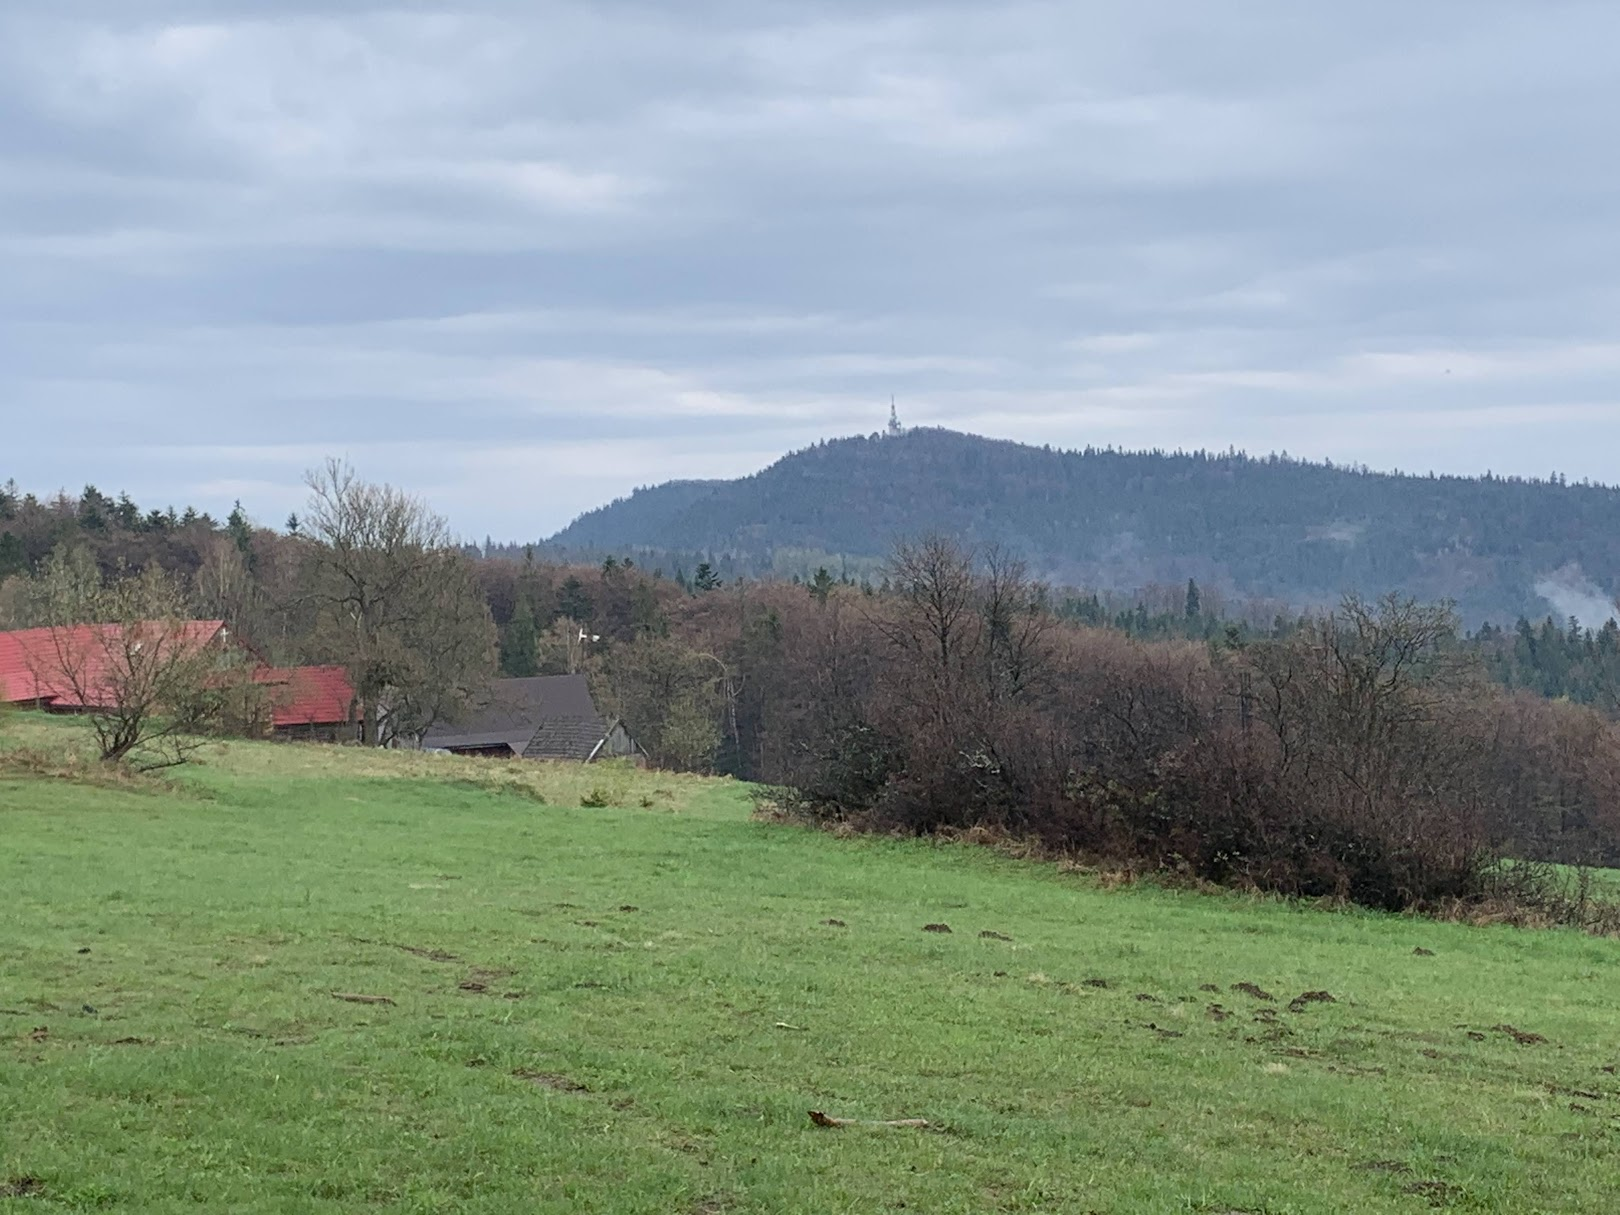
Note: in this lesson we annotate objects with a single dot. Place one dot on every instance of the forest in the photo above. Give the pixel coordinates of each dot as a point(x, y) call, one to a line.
point(1268, 528)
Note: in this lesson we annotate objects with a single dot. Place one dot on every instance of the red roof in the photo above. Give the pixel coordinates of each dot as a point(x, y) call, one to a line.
point(32, 661)
point(308, 696)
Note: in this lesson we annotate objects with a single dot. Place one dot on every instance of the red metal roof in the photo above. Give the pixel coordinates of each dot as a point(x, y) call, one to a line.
point(32, 660)
point(31, 663)
point(308, 696)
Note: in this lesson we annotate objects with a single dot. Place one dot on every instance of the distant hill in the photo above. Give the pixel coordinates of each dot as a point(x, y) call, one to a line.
point(1272, 527)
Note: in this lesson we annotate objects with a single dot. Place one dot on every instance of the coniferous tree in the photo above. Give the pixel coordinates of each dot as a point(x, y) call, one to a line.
point(821, 585)
point(240, 529)
point(705, 580)
point(13, 556)
point(520, 643)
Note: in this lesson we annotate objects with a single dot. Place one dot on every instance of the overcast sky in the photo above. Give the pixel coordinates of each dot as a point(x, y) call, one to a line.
point(524, 256)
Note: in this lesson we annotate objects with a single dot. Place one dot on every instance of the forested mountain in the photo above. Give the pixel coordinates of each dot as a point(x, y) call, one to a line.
point(1272, 528)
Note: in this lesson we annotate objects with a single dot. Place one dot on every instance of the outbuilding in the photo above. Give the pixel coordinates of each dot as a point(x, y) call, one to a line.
point(546, 717)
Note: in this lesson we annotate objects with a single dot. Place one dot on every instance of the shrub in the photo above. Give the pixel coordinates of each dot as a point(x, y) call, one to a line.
point(1359, 758)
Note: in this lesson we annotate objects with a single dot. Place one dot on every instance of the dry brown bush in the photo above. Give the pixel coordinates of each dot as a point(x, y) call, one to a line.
point(1357, 760)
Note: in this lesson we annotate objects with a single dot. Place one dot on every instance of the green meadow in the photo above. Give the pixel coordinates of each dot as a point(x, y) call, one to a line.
point(600, 990)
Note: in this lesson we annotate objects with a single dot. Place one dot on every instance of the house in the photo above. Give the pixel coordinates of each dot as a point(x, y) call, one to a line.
point(547, 717)
point(310, 704)
point(71, 670)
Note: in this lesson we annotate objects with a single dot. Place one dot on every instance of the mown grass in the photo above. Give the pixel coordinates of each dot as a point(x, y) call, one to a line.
point(632, 1008)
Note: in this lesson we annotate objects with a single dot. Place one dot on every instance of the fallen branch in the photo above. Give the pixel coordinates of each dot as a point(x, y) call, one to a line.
point(785, 1025)
point(821, 1119)
point(353, 998)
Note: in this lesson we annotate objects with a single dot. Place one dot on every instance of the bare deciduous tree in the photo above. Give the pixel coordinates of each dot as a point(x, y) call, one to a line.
point(1016, 624)
point(397, 604)
point(672, 699)
point(149, 681)
point(66, 590)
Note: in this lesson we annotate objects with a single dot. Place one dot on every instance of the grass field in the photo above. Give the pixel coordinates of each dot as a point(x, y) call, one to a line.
point(631, 1008)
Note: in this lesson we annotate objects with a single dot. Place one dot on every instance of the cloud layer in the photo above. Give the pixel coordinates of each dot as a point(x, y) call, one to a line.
point(525, 256)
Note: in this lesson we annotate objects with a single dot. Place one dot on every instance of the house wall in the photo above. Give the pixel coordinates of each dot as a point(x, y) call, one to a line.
point(619, 745)
point(340, 732)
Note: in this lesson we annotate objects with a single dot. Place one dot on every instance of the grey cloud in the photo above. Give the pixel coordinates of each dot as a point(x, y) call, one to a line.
point(575, 247)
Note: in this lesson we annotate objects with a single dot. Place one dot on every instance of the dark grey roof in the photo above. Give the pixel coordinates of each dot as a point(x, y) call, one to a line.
point(567, 738)
point(539, 718)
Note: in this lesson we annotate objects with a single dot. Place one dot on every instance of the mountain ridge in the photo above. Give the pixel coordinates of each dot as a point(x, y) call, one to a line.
point(1269, 527)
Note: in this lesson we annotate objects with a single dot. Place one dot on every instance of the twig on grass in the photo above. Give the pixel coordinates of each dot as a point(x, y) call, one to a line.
point(354, 998)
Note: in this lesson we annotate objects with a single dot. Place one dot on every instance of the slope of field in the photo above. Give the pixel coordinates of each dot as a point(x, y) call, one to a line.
point(1284, 529)
point(631, 1007)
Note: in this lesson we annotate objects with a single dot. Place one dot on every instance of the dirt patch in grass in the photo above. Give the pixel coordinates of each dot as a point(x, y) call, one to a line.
point(1251, 989)
point(834, 924)
point(1559, 1090)
point(1436, 1193)
point(1384, 1166)
point(1305, 999)
point(1522, 1037)
point(551, 1080)
point(988, 935)
point(1421, 952)
point(1353, 1069)
point(22, 1187)
point(432, 955)
point(1099, 984)
point(936, 927)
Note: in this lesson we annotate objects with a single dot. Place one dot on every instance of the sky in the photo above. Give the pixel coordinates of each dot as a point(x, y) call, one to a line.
point(523, 256)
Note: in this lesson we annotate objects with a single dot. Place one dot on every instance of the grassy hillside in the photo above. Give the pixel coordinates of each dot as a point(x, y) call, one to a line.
point(632, 1007)
point(1276, 528)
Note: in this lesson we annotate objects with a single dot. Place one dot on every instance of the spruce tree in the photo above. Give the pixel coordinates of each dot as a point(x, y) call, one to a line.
point(520, 643)
point(821, 586)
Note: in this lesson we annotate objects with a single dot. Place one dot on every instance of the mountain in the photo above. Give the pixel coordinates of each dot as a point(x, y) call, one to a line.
point(1272, 527)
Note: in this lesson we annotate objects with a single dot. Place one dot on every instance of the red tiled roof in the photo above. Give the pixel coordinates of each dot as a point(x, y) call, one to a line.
point(32, 660)
point(307, 696)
